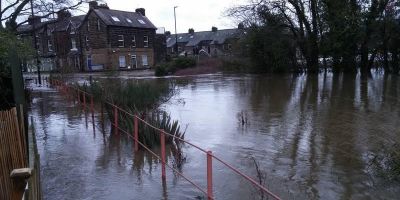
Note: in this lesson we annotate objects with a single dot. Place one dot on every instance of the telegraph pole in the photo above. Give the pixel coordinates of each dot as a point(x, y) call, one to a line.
point(176, 34)
point(35, 44)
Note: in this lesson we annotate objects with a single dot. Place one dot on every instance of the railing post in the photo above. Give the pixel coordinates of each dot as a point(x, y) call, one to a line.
point(92, 106)
point(102, 114)
point(162, 139)
point(84, 101)
point(116, 119)
point(79, 97)
point(209, 176)
point(136, 133)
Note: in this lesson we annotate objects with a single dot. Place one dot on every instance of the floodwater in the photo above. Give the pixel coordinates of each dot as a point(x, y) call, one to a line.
point(312, 137)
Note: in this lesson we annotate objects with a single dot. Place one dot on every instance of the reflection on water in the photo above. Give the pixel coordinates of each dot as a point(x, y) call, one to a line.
point(311, 135)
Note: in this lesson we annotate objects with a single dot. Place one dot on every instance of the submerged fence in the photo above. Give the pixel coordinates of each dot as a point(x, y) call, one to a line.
point(87, 101)
point(13, 153)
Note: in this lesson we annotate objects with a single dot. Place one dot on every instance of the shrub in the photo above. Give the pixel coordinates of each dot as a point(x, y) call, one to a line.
point(173, 66)
point(161, 70)
point(183, 62)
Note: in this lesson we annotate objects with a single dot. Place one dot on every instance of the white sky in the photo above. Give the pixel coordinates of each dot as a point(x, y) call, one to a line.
point(198, 14)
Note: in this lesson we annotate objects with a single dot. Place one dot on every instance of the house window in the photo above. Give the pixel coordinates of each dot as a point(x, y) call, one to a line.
point(73, 44)
point(116, 19)
point(88, 25)
point(89, 62)
point(122, 63)
point(48, 32)
point(49, 45)
point(133, 61)
point(146, 41)
point(229, 47)
point(87, 41)
point(141, 21)
point(179, 49)
point(144, 60)
point(128, 20)
point(134, 41)
point(98, 25)
point(121, 41)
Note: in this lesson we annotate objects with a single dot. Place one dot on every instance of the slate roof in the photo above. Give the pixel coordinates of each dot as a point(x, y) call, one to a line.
point(28, 28)
point(217, 37)
point(54, 24)
point(124, 17)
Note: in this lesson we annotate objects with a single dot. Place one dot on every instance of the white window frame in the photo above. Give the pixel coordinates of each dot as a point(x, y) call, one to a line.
point(145, 41)
point(73, 44)
point(49, 45)
point(134, 57)
point(134, 41)
point(145, 60)
point(87, 40)
point(98, 25)
point(121, 39)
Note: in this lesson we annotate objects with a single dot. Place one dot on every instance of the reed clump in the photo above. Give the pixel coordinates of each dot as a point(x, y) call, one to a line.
point(142, 98)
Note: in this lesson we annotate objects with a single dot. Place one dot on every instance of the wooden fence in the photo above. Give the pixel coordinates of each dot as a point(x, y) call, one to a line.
point(13, 152)
point(34, 187)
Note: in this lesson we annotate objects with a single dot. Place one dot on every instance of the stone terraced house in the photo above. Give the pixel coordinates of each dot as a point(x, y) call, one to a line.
point(103, 39)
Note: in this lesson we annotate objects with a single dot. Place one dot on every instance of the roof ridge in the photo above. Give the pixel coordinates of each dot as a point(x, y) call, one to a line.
point(116, 10)
point(208, 31)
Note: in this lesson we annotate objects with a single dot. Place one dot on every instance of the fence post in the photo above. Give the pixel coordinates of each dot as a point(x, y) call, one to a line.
point(116, 119)
point(209, 176)
point(136, 133)
point(162, 139)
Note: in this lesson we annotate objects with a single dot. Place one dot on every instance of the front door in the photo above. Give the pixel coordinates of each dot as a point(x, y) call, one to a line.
point(133, 61)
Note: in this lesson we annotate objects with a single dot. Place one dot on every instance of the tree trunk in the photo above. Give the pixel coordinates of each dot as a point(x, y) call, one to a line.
point(395, 61)
point(365, 71)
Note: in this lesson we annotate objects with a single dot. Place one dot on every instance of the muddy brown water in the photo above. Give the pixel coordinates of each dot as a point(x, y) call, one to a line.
point(312, 137)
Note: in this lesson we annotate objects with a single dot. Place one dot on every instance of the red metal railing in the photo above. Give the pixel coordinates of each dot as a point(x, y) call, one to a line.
point(68, 90)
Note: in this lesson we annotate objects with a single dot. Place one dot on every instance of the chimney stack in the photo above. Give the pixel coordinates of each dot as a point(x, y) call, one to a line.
point(241, 26)
point(191, 30)
point(214, 29)
point(167, 33)
point(63, 14)
point(34, 20)
point(141, 11)
point(93, 4)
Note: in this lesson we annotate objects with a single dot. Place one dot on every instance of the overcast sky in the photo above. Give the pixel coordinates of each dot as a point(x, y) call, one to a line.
point(198, 14)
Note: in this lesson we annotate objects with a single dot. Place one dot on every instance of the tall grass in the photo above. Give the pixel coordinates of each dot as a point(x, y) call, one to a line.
point(142, 99)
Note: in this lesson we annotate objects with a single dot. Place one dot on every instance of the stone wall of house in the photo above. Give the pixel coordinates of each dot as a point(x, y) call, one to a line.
point(97, 38)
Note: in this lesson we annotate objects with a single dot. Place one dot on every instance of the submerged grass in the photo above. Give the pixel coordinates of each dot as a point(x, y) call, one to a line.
point(143, 99)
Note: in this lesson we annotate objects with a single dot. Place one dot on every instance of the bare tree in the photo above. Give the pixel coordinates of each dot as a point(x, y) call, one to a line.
point(15, 12)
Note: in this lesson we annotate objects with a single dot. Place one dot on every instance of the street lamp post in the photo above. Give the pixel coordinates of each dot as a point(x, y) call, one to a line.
point(176, 34)
point(35, 43)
